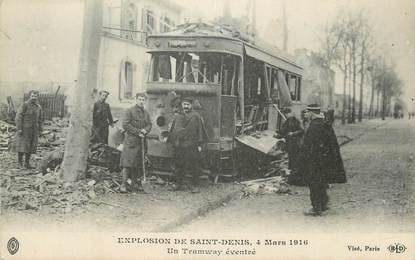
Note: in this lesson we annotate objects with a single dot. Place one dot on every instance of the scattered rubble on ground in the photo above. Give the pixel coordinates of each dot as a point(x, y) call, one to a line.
point(274, 182)
point(28, 191)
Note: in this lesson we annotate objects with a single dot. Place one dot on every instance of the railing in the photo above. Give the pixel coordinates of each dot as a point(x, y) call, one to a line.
point(132, 35)
point(53, 105)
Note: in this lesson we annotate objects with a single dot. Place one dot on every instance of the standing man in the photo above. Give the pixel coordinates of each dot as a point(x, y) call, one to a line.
point(189, 136)
point(29, 128)
point(101, 119)
point(136, 123)
point(292, 131)
point(321, 162)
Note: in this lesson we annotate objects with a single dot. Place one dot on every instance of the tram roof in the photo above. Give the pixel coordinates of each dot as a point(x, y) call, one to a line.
point(257, 49)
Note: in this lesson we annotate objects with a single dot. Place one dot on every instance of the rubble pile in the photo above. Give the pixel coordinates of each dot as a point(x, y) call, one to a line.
point(278, 167)
point(104, 155)
point(7, 131)
point(276, 184)
point(37, 191)
point(53, 135)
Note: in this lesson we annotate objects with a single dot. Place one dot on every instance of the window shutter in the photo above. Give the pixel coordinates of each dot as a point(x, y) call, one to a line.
point(144, 19)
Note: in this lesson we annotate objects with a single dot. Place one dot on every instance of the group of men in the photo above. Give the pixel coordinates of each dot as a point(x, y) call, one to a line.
point(314, 155)
point(187, 135)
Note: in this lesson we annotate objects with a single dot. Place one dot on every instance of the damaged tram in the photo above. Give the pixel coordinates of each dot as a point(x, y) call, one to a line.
point(238, 88)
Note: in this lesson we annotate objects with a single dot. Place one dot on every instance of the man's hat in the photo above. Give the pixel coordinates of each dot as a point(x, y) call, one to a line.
point(313, 108)
point(188, 99)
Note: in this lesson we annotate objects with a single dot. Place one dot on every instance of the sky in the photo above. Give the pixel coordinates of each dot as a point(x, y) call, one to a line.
point(393, 23)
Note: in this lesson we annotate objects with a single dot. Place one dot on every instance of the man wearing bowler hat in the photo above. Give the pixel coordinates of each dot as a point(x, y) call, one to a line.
point(321, 163)
point(189, 135)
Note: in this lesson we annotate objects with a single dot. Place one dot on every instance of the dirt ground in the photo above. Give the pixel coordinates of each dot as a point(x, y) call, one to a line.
point(379, 195)
point(374, 198)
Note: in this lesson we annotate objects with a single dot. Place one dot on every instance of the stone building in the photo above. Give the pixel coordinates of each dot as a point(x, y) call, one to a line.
point(318, 82)
point(40, 44)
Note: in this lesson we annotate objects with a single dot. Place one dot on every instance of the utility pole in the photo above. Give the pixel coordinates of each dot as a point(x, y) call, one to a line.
point(254, 18)
point(226, 9)
point(285, 32)
point(77, 143)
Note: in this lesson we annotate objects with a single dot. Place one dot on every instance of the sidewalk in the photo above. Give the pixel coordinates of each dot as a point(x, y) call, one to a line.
point(159, 211)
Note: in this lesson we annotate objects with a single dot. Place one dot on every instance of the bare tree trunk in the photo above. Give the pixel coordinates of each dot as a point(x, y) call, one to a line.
point(362, 77)
point(344, 96)
point(354, 82)
point(76, 148)
point(372, 96)
point(285, 33)
point(383, 99)
point(377, 103)
point(349, 105)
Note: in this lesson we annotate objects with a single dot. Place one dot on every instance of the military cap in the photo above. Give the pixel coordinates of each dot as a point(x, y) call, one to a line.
point(313, 108)
point(188, 100)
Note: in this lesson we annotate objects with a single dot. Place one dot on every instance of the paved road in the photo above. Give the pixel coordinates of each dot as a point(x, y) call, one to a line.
point(379, 195)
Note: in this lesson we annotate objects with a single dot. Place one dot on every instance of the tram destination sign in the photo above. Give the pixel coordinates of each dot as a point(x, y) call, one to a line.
point(181, 44)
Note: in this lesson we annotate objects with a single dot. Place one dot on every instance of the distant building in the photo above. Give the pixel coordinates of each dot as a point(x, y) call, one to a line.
point(41, 43)
point(318, 82)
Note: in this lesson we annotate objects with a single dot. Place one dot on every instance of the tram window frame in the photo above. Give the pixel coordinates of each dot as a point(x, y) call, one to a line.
point(199, 74)
point(274, 85)
point(296, 93)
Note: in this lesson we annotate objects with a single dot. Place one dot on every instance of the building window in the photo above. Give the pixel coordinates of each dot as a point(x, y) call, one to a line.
point(126, 80)
point(166, 24)
point(129, 21)
point(148, 21)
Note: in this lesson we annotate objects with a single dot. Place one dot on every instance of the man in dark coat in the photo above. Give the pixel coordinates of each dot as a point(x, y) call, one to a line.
point(136, 123)
point(188, 135)
point(29, 127)
point(101, 119)
point(321, 164)
point(292, 131)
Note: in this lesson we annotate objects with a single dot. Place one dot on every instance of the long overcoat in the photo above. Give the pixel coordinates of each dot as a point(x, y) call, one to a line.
point(135, 119)
point(29, 121)
point(101, 119)
point(322, 154)
point(192, 131)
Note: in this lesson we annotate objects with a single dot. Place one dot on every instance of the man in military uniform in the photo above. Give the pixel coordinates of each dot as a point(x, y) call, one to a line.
point(29, 128)
point(322, 163)
point(188, 136)
point(101, 119)
point(136, 123)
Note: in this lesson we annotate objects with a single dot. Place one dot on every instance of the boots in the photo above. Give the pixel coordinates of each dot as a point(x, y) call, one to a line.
point(27, 159)
point(123, 187)
point(195, 184)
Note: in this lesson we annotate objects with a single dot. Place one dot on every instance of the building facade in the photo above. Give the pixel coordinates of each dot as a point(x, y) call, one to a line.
point(124, 62)
point(42, 51)
point(318, 81)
